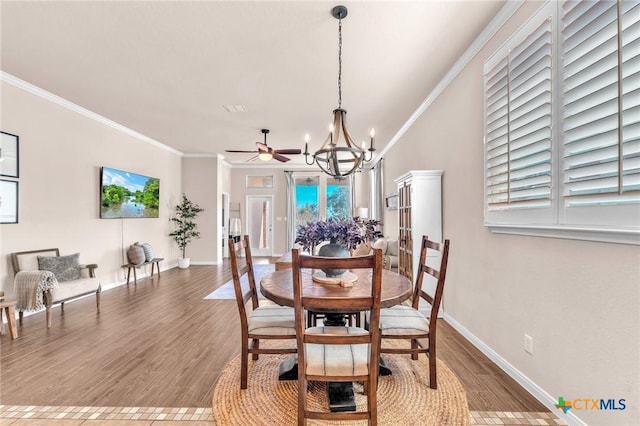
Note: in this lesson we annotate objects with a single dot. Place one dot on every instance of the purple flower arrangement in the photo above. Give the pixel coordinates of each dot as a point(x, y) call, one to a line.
point(350, 233)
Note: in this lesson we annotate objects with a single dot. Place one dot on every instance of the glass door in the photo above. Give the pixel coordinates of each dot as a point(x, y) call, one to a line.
point(260, 224)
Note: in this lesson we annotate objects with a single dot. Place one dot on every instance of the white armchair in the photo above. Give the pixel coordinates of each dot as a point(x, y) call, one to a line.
point(43, 278)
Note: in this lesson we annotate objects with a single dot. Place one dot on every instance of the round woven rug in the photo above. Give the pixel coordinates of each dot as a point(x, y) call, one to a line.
point(404, 398)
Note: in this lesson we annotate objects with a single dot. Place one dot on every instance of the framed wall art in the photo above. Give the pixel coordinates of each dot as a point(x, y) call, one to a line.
point(8, 201)
point(392, 201)
point(9, 158)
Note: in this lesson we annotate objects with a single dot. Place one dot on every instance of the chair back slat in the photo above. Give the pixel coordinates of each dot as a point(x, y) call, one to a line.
point(439, 274)
point(426, 296)
point(337, 339)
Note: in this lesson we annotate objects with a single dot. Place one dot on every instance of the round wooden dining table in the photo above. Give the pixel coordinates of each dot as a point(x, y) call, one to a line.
point(278, 287)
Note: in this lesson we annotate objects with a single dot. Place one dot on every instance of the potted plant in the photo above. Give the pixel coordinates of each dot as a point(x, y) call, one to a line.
point(186, 228)
point(342, 234)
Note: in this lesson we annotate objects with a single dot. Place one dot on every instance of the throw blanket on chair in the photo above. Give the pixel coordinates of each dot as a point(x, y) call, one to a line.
point(29, 287)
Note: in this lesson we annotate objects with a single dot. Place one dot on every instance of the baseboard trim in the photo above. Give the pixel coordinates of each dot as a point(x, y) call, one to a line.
point(531, 387)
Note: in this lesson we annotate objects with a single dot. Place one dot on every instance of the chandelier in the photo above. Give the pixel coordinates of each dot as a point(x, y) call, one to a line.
point(334, 158)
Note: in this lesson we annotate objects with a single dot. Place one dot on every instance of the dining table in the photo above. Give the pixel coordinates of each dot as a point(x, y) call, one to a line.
point(278, 287)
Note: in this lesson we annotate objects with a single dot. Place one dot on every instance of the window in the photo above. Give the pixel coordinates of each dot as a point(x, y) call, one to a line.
point(322, 197)
point(307, 199)
point(338, 196)
point(562, 124)
point(259, 181)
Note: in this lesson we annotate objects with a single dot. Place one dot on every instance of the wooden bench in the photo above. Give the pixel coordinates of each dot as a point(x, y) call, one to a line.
point(153, 262)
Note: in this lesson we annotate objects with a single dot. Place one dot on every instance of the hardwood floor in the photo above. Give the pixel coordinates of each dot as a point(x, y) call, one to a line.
point(160, 344)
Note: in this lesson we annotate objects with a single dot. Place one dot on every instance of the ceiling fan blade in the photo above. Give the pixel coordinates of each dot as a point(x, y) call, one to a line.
point(281, 158)
point(233, 150)
point(254, 158)
point(288, 151)
point(262, 147)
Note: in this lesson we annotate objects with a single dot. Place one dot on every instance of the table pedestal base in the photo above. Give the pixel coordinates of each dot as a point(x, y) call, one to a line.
point(341, 396)
point(288, 369)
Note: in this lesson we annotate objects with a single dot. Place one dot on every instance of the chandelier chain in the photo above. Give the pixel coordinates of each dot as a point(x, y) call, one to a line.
point(339, 63)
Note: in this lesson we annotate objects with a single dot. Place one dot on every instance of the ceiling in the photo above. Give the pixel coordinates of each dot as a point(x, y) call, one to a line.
point(166, 69)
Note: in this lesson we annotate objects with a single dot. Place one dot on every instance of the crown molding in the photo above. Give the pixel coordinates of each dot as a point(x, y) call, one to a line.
point(35, 90)
point(503, 15)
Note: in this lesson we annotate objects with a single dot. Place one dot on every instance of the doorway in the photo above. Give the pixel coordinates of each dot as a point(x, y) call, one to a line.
point(260, 224)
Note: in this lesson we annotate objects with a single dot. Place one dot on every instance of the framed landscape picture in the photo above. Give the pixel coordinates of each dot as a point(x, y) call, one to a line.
point(9, 165)
point(128, 195)
point(8, 201)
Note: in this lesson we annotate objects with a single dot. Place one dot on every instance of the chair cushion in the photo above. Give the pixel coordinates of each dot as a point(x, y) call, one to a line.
point(65, 268)
point(337, 360)
point(273, 320)
point(69, 289)
point(402, 319)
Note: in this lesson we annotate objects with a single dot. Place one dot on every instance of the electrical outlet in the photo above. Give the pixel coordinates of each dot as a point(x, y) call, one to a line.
point(528, 344)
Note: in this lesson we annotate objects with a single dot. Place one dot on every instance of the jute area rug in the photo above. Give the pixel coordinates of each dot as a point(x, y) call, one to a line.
point(404, 398)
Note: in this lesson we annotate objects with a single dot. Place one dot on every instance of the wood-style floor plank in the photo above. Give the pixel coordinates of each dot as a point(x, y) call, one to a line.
point(160, 344)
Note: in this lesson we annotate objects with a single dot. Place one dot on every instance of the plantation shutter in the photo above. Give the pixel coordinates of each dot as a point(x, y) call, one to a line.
point(600, 115)
point(518, 132)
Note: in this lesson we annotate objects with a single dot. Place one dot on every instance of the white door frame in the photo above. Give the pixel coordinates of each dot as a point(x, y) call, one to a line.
point(225, 223)
point(255, 248)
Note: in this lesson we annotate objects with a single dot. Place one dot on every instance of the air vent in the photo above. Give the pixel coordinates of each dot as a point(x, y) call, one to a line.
point(235, 108)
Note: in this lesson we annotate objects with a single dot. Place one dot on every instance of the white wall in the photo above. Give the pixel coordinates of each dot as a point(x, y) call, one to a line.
point(61, 153)
point(200, 185)
point(579, 300)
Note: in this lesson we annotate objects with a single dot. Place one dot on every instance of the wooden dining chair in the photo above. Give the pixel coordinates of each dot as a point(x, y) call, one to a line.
point(407, 322)
point(336, 353)
point(263, 322)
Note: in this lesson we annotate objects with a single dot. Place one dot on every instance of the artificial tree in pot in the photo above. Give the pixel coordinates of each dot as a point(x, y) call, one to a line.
point(186, 227)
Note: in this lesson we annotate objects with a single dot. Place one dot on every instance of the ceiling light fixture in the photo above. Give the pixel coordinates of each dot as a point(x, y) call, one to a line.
point(265, 156)
point(332, 158)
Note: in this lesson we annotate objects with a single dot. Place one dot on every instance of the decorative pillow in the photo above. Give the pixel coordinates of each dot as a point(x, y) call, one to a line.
point(381, 243)
point(362, 250)
point(392, 248)
point(65, 268)
point(148, 252)
point(135, 254)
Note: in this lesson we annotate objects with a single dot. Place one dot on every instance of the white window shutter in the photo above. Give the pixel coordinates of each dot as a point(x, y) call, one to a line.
point(630, 40)
point(600, 113)
point(518, 119)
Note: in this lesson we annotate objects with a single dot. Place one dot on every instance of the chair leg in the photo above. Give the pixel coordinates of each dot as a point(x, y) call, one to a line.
point(98, 300)
point(62, 307)
point(372, 402)
point(415, 347)
point(433, 381)
point(20, 316)
point(48, 316)
point(244, 363)
point(256, 345)
point(302, 401)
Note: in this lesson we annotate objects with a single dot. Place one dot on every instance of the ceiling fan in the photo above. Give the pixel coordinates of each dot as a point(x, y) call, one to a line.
point(266, 153)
